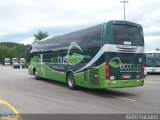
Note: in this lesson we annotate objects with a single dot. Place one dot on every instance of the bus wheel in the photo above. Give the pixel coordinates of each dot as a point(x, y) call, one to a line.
point(71, 81)
point(35, 74)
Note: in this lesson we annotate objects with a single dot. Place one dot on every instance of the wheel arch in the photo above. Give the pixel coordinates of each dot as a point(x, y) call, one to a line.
point(68, 72)
point(34, 69)
point(71, 82)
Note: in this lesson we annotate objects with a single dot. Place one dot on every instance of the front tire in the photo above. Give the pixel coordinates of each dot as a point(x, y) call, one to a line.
point(35, 74)
point(71, 81)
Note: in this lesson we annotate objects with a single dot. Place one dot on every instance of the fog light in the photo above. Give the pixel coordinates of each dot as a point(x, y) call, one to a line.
point(114, 81)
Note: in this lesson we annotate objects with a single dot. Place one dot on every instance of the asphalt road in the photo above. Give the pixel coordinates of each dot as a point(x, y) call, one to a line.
point(29, 96)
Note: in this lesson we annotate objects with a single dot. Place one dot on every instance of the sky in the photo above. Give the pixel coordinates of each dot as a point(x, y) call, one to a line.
point(20, 19)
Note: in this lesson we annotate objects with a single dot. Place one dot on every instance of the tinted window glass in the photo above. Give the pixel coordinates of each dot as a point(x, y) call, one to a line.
point(156, 59)
point(127, 35)
point(149, 60)
point(86, 38)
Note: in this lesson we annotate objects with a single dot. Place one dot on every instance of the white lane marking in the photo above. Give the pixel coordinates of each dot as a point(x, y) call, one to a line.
point(132, 100)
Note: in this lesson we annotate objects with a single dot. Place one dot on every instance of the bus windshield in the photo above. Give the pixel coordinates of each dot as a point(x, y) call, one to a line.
point(149, 60)
point(156, 59)
point(153, 60)
point(127, 35)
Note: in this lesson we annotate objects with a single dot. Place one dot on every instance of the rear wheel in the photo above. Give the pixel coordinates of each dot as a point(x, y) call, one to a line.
point(71, 81)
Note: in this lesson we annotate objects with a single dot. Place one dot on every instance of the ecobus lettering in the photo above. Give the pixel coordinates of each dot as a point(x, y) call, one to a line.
point(59, 60)
point(128, 66)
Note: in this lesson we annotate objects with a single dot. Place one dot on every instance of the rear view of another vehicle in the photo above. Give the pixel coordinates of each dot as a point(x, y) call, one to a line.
point(16, 65)
point(23, 63)
point(7, 61)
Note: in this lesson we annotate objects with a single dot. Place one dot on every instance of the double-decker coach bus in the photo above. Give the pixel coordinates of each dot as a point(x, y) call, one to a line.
point(152, 61)
point(109, 55)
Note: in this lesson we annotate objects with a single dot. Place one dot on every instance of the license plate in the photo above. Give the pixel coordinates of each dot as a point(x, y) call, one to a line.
point(126, 76)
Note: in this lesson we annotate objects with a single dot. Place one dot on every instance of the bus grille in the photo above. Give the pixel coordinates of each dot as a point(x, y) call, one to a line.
point(94, 79)
point(127, 49)
point(86, 76)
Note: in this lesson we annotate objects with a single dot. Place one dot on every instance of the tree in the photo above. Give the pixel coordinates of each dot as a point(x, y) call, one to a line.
point(11, 50)
point(40, 35)
point(157, 49)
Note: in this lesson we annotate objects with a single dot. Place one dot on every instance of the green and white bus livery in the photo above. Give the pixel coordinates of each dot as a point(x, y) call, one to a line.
point(109, 55)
